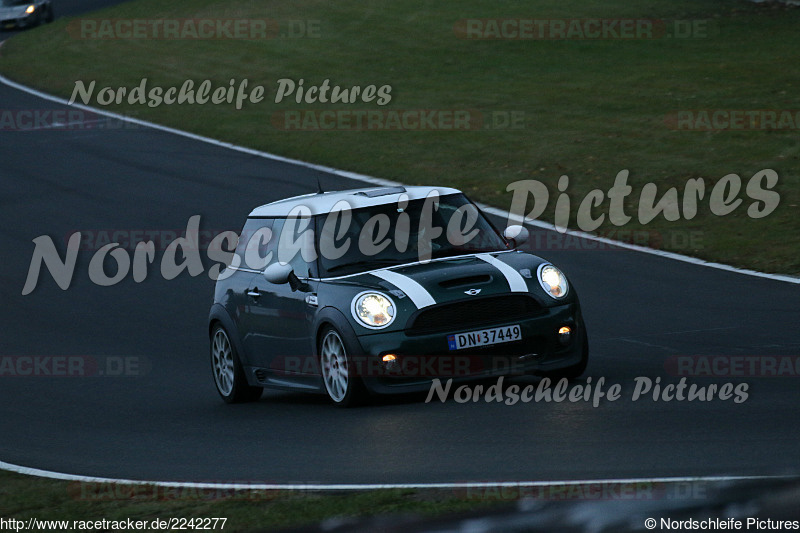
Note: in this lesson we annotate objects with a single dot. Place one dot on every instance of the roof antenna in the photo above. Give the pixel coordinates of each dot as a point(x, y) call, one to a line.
point(319, 187)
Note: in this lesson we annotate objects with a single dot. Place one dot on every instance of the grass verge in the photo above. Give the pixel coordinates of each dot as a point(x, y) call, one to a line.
point(26, 497)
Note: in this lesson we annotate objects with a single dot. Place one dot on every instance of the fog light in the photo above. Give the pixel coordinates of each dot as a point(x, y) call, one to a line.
point(564, 333)
point(391, 365)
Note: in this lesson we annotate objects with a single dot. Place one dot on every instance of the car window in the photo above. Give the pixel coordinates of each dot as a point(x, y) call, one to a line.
point(294, 240)
point(255, 243)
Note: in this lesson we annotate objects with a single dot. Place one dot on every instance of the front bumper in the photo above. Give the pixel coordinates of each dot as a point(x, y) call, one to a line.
point(11, 23)
point(17, 20)
point(421, 358)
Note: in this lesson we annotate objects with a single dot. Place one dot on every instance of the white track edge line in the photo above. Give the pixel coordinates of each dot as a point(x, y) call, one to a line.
point(383, 182)
point(376, 486)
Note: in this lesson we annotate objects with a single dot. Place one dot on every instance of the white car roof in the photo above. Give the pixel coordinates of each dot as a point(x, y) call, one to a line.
point(322, 203)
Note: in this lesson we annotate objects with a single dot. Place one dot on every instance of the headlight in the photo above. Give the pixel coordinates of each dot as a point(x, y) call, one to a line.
point(373, 310)
point(553, 281)
point(30, 9)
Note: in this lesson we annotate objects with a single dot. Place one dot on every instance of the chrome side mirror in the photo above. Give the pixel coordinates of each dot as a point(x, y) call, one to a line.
point(277, 273)
point(519, 235)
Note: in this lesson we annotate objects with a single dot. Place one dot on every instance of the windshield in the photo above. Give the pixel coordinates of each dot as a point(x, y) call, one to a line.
point(351, 241)
point(7, 3)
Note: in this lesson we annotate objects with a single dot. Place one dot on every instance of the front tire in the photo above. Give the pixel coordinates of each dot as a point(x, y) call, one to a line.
point(339, 375)
point(50, 17)
point(228, 372)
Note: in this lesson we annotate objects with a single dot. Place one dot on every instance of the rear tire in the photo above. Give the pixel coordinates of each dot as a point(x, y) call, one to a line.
point(339, 375)
point(229, 375)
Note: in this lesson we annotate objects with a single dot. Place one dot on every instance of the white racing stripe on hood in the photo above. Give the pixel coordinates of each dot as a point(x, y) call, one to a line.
point(515, 280)
point(415, 291)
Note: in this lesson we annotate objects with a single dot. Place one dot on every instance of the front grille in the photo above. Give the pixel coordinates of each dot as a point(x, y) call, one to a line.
point(473, 312)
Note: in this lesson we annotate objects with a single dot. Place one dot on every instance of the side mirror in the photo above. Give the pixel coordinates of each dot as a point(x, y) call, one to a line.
point(277, 273)
point(519, 235)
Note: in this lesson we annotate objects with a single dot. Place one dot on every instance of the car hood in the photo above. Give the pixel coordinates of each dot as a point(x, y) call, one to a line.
point(458, 278)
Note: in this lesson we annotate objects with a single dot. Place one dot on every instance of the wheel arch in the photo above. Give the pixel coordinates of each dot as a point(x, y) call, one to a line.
point(219, 315)
point(330, 316)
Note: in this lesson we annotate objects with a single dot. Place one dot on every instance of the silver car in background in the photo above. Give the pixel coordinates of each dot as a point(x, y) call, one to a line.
point(25, 13)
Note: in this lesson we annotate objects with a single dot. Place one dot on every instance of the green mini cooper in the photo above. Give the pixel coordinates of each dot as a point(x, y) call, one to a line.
point(384, 290)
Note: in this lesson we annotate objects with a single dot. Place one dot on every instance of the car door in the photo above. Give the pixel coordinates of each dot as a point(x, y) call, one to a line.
point(247, 268)
point(280, 317)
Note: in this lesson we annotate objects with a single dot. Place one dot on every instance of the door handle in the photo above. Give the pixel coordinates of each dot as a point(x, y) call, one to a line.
point(254, 293)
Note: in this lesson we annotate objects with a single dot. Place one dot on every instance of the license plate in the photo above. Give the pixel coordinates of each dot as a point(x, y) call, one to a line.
point(484, 337)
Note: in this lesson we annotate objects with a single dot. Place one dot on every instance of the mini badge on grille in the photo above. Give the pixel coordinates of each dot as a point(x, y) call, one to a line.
point(472, 292)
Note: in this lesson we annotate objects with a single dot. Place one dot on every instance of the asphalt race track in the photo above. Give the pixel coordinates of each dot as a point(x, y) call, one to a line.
point(165, 421)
